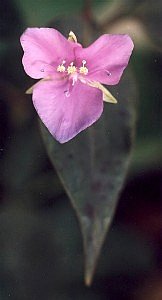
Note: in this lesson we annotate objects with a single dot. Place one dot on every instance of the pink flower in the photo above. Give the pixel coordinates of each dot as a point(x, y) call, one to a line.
point(69, 97)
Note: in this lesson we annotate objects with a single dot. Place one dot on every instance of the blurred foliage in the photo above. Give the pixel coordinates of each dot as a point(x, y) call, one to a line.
point(41, 250)
point(10, 20)
point(47, 10)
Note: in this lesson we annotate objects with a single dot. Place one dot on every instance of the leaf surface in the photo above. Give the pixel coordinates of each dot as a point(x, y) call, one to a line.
point(93, 166)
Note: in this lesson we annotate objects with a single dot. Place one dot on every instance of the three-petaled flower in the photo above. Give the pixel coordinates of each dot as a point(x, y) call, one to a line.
point(69, 97)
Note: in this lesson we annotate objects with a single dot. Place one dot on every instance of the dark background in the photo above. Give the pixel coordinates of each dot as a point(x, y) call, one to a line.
point(40, 241)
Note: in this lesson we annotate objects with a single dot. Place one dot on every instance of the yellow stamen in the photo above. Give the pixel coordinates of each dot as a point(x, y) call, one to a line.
point(71, 69)
point(61, 68)
point(83, 69)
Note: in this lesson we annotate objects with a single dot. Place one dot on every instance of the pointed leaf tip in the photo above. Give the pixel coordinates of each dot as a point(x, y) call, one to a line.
point(94, 227)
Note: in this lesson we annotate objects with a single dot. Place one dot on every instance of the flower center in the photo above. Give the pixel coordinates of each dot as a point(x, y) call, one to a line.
point(72, 69)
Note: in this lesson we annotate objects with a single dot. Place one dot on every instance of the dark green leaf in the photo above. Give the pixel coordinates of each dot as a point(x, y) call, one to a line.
point(93, 166)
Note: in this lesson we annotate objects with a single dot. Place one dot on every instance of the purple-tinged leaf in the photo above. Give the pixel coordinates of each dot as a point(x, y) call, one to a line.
point(93, 166)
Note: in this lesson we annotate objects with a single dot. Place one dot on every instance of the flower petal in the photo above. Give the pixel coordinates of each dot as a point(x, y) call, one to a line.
point(66, 114)
point(44, 49)
point(107, 57)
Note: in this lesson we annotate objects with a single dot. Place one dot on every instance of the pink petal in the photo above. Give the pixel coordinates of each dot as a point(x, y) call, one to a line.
point(66, 116)
point(107, 57)
point(44, 49)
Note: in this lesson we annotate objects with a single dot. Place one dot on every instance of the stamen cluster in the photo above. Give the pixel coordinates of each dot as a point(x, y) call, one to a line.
point(72, 69)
